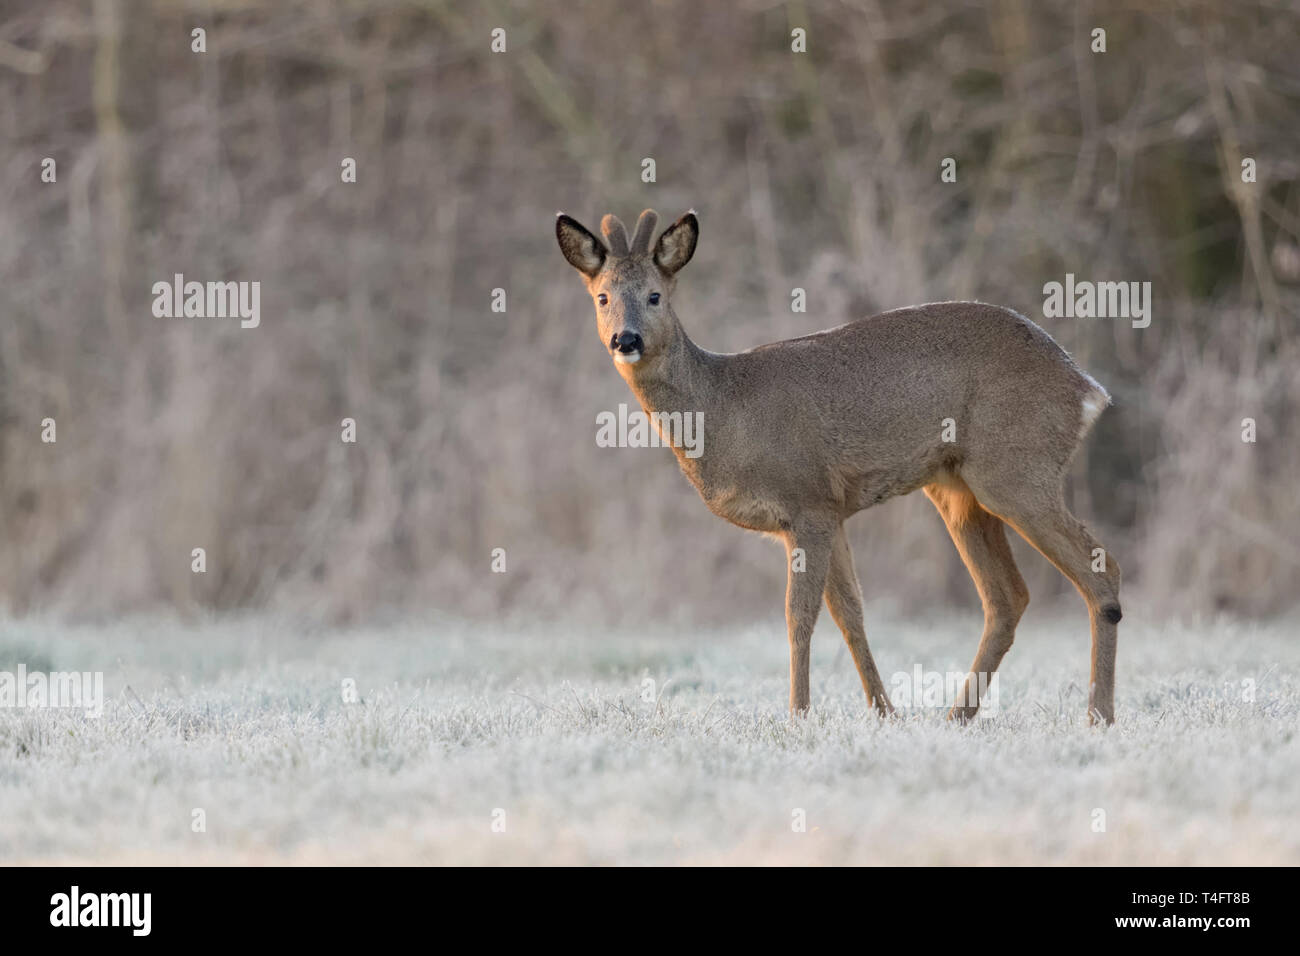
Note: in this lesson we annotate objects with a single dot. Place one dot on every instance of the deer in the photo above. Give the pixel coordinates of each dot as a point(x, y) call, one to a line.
point(971, 403)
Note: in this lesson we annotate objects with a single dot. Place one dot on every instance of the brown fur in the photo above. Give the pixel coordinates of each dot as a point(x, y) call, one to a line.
point(801, 434)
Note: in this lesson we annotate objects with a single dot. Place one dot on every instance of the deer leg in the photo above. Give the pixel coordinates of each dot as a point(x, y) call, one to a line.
point(981, 540)
point(1059, 536)
point(808, 552)
point(1063, 540)
point(844, 601)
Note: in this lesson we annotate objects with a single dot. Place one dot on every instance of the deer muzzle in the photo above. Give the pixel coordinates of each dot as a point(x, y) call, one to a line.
point(627, 347)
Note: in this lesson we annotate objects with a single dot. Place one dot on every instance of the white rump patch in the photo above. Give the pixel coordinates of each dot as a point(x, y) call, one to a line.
point(1093, 405)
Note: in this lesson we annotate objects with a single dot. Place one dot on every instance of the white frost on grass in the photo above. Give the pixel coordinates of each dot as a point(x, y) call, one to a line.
point(246, 721)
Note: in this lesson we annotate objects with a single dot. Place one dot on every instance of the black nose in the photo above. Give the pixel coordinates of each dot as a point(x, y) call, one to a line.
point(626, 342)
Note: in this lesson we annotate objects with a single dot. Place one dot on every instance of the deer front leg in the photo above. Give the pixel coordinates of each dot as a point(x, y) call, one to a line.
point(808, 552)
point(844, 601)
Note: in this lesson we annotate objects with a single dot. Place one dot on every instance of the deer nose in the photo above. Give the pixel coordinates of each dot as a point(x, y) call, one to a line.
point(626, 342)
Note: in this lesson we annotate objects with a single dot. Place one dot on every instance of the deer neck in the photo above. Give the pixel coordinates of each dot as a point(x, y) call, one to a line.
point(683, 378)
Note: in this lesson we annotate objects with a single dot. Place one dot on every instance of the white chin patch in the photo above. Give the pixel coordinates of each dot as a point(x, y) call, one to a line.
point(627, 358)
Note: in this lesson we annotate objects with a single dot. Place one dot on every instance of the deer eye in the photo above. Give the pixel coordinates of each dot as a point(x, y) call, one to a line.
point(602, 299)
point(654, 298)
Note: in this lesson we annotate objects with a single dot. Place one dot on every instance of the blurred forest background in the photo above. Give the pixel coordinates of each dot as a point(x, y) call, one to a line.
point(476, 429)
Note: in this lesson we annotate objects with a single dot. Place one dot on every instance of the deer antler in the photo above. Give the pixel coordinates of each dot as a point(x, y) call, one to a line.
point(615, 234)
point(645, 229)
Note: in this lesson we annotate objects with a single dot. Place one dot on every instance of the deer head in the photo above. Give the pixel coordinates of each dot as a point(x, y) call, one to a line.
point(631, 282)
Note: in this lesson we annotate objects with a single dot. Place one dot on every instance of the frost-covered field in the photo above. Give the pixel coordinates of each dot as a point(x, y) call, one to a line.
point(546, 730)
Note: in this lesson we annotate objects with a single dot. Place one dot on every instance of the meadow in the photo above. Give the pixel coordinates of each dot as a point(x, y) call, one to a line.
point(545, 744)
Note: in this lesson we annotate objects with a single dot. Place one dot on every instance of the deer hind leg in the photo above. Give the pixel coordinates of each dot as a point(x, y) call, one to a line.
point(844, 601)
point(981, 540)
point(806, 580)
point(1045, 522)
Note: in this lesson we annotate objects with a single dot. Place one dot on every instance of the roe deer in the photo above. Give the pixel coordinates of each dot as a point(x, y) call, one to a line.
point(801, 434)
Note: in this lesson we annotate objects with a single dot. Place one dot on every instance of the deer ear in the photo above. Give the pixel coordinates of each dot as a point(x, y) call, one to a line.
point(677, 244)
point(584, 251)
